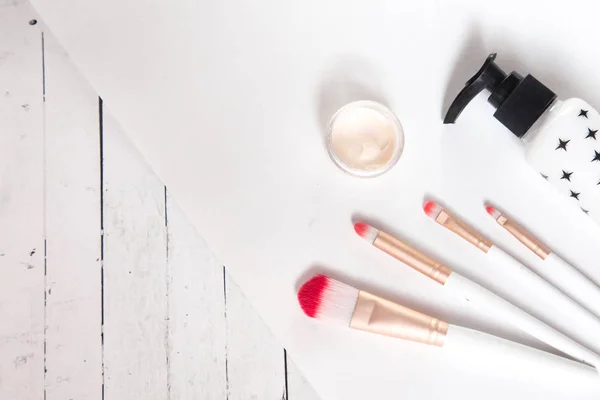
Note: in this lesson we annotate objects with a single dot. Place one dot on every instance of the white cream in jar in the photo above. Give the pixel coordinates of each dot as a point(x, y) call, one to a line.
point(365, 138)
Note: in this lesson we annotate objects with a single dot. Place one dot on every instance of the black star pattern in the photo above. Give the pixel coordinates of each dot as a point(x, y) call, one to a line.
point(583, 113)
point(584, 210)
point(562, 144)
point(566, 175)
point(591, 133)
point(596, 156)
point(575, 195)
point(546, 177)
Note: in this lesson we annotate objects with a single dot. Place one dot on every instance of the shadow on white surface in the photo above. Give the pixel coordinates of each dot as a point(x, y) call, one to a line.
point(350, 78)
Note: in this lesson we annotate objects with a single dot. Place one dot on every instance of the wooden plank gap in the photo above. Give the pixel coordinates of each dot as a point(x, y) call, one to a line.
point(168, 276)
point(45, 310)
point(286, 392)
point(226, 335)
point(167, 220)
point(45, 232)
point(101, 145)
point(101, 149)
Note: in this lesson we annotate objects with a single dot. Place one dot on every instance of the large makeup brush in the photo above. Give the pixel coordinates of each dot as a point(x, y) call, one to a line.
point(477, 295)
point(546, 298)
point(329, 300)
point(556, 270)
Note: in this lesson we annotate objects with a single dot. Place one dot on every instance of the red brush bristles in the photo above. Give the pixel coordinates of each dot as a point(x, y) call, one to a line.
point(492, 211)
point(366, 231)
point(326, 299)
point(310, 294)
point(361, 229)
point(432, 209)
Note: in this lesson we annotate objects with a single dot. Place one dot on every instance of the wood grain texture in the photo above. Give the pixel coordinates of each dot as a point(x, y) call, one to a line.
point(255, 363)
point(135, 273)
point(73, 256)
point(197, 313)
point(21, 206)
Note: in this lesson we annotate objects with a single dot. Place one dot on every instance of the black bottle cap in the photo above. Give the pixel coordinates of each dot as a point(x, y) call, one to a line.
point(519, 101)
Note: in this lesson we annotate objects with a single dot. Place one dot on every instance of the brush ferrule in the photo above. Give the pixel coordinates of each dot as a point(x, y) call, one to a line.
point(412, 257)
point(463, 230)
point(530, 241)
point(376, 315)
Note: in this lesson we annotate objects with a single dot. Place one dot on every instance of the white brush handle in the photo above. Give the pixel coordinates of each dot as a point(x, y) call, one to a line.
point(506, 354)
point(512, 315)
point(567, 278)
point(542, 298)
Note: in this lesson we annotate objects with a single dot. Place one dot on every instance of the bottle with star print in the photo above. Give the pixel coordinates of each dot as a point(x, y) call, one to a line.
point(562, 138)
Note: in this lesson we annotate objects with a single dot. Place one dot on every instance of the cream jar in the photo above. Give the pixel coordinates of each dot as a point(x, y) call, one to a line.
point(365, 138)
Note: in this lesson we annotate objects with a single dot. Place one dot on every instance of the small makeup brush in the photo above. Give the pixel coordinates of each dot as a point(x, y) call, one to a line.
point(540, 291)
point(329, 300)
point(480, 297)
point(556, 270)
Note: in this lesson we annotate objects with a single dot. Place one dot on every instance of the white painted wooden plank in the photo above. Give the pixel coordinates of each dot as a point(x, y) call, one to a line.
point(135, 273)
point(298, 386)
point(21, 205)
point(255, 361)
point(73, 307)
point(197, 313)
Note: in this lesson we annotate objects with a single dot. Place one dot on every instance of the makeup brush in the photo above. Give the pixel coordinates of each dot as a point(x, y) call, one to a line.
point(546, 298)
point(329, 300)
point(556, 270)
point(477, 295)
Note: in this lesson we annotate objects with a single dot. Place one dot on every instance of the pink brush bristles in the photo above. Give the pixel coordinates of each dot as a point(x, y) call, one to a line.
point(325, 298)
point(366, 231)
point(492, 211)
point(432, 209)
point(311, 293)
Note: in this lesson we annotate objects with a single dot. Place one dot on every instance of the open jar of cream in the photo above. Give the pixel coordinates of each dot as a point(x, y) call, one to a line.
point(365, 138)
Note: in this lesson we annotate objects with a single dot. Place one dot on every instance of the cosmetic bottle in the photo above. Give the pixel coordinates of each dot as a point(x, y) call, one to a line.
point(561, 137)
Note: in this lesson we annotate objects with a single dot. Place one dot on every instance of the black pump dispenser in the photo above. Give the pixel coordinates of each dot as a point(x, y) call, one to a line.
point(519, 101)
